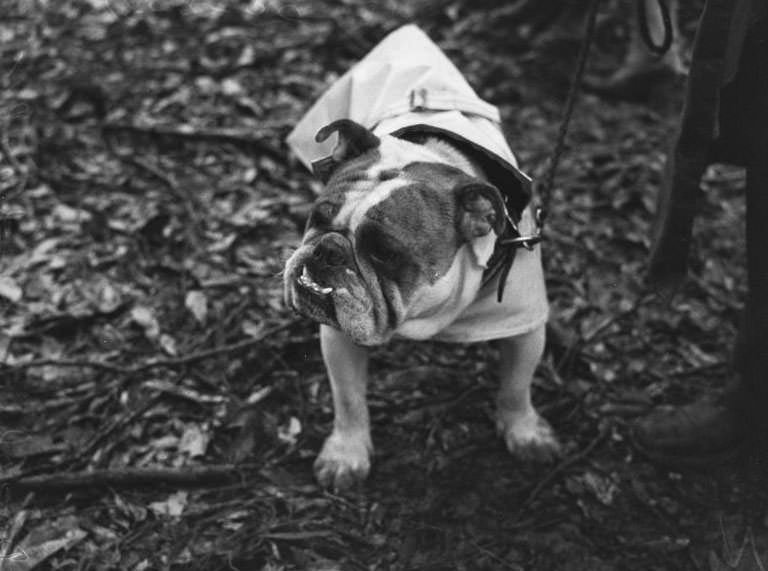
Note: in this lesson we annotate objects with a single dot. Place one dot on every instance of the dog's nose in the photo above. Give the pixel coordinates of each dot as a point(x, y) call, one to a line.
point(330, 250)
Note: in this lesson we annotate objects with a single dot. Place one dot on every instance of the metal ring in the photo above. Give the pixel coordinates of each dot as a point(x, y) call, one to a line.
point(527, 242)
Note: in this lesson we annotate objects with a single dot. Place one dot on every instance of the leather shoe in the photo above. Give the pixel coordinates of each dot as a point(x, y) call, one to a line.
point(698, 434)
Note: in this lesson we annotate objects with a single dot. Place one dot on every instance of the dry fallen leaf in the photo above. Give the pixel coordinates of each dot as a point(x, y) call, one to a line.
point(197, 303)
point(168, 344)
point(44, 541)
point(9, 289)
point(172, 507)
point(194, 441)
point(289, 432)
point(145, 318)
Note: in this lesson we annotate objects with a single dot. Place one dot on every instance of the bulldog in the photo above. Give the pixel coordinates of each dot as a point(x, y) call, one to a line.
point(422, 231)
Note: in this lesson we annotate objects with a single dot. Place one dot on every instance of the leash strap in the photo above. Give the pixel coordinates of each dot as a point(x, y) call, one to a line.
point(508, 244)
point(645, 33)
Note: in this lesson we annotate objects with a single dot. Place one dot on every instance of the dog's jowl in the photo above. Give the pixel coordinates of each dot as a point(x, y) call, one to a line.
point(404, 240)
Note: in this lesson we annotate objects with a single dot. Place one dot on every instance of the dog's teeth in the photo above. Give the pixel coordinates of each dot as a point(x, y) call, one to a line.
point(306, 281)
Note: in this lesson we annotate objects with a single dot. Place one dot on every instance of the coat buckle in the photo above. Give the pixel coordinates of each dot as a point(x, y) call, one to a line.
point(417, 99)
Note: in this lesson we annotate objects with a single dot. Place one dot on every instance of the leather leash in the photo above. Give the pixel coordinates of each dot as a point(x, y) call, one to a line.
point(507, 245)
point(666, 19)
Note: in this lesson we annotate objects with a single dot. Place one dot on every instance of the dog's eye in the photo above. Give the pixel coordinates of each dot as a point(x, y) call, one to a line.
point(322, 214)
point(382, 253)
point(385, 257)
point(381, 248)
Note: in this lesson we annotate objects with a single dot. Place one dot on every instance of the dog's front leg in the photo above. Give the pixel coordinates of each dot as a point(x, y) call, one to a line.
point(345, 457)
point(526, 434)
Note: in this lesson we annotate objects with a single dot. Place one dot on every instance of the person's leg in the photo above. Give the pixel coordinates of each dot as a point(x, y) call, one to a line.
point(706, 431)
point(752, 344)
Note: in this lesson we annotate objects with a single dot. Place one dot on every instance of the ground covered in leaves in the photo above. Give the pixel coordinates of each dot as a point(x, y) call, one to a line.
point(159, 406)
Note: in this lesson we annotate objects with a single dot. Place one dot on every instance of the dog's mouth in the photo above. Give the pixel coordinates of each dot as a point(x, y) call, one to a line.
point(306, 281)
point(315, 300)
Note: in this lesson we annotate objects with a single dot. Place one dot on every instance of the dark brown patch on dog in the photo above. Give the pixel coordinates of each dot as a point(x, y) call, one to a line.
point(411, 240)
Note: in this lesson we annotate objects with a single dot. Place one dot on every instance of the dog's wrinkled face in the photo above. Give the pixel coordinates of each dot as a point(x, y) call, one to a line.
point(389, 242)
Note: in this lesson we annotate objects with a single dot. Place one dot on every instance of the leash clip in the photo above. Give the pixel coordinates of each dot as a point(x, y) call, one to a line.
point(527, 242)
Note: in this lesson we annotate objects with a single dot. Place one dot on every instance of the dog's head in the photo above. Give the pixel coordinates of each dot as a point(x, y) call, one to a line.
point(395, 243)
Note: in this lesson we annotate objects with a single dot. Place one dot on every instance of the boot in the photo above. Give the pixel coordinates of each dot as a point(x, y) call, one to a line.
point(697, 434)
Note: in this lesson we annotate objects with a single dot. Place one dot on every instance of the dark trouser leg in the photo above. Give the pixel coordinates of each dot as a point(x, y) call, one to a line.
point(752, 343)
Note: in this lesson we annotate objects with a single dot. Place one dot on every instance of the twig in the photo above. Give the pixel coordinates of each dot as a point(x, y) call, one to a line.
point(16, 525)
point(222, 135)
point(700, 369)
point(297, 535)
point(124, 420)
point(69, 363)
point(188, 199)
point(6, 150)
point(126, 477)
point(21, 172)
point(577, 346)
point(714, 291)
point(444, 409)
point(606, 323)
point(177, 362)
point(568, 462)
point(503, 561)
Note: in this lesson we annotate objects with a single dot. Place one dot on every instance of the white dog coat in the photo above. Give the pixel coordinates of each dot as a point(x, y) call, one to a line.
point(406, 83)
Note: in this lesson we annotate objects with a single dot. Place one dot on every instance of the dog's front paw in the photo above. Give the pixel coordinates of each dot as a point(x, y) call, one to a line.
point(344, 461)
point(529, 437)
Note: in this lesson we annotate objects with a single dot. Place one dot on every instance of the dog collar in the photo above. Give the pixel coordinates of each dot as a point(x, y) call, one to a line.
point(507, 245)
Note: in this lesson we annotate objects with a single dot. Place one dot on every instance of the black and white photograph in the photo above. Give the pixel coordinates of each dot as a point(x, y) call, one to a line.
point(345, 285)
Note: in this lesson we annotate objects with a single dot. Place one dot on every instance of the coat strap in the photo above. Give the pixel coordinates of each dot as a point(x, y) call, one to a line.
point(423, 99)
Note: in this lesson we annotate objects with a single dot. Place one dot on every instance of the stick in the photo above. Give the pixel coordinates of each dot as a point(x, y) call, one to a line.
point(127, 477)
point(15, 527)
point(190, 203)
point(177, 362)
point(606, 323)
point(121, 422)
point(21, 172)
point(222, 135)
point(562, 466)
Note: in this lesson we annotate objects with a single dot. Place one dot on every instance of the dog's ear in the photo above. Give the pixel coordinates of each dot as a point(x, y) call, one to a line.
point(354, 140)
point(480, 209)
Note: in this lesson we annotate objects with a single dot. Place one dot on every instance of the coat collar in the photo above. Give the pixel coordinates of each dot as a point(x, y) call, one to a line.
point(407, 85)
